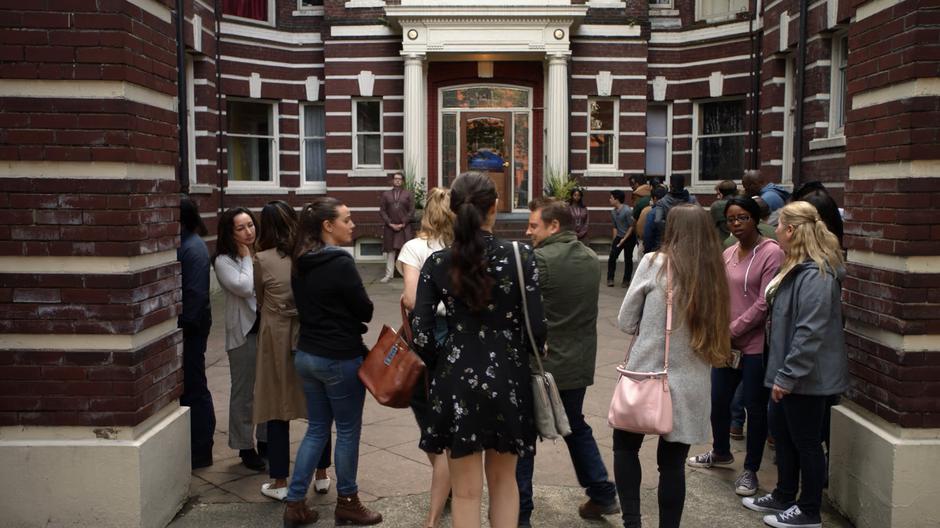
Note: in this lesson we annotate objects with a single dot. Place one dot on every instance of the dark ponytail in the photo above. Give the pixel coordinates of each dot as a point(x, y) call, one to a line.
point(471, 197)
point(310, 225)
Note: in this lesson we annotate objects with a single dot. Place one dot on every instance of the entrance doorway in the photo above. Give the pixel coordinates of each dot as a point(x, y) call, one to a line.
point(485, 144)
point(487, 129)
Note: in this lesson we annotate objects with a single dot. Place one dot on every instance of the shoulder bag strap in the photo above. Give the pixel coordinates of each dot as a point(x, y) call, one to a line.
point(525, 306)
point(668, 313)
point(405, 325)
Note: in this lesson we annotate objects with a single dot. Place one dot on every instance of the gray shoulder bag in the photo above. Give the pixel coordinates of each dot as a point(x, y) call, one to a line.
point(550, 418)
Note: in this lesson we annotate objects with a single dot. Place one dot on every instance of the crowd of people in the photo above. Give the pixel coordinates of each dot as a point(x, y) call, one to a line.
point(755, 341)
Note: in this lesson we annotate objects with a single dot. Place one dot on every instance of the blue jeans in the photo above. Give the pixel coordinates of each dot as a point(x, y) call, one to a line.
point(333, 392)
point(724, 382)
point(588, 465)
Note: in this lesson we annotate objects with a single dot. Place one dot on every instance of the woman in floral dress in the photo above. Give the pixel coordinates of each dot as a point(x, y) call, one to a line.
point(480, 392)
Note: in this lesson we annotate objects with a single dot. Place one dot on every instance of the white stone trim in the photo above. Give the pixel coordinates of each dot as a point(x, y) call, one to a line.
point(872, 8)
point(283, 37)
point(912, 264)
point(356, 4)
point(112, 342)
point(256, 44)
point(827, 143)
point(364, 59)
point(98, 265)
point(154, 8)
point(277, 64)
point(81, 89)
point(375, 30)
point(721, 60)
point(901, 343)
point(924, 87)
point(895, 170)
point(606, 30)
point(693, 35)
point(103, 170)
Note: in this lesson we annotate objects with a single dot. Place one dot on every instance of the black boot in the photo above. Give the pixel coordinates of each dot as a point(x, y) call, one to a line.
point(252, 460)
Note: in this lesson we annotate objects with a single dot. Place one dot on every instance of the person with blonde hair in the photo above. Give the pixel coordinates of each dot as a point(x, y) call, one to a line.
point(690, 259)
point(437, 233)
point(807, 363)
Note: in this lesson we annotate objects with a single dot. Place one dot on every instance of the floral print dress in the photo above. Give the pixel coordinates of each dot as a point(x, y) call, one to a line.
point(480, 392)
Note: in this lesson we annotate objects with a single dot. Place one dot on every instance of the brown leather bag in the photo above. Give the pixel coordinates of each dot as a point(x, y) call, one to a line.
point(392, 369)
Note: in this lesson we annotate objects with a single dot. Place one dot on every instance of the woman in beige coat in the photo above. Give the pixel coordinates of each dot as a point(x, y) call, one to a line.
point(278, 395)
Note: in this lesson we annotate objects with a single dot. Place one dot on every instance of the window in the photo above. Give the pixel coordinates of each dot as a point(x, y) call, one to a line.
point(660, 4)
point(190, 120)
point(260, 10)
point(602, 133)
point(718, 9)
point(367, 131)
point(314, 143)
point(838, 93)
point(308, 4)
point(658, 147)
point(718, 140)
point(251, 142)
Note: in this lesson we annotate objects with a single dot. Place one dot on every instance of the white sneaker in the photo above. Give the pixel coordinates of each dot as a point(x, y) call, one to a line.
point(278, 494)
point(322, 486)
point(385, 280)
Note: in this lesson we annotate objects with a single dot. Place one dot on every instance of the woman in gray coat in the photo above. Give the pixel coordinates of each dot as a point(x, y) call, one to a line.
point(807, 363)
point(700, 339)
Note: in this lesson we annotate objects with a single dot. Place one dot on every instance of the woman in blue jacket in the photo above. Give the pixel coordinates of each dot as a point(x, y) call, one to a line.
point(807, 363)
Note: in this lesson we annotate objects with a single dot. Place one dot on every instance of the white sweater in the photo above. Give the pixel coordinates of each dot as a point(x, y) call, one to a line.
point(237, 279)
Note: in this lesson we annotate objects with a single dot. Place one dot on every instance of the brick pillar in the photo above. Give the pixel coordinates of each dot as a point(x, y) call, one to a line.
point(886, 437)
point(91, 431)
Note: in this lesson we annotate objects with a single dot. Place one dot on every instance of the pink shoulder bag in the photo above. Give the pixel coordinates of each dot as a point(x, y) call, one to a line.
point(642, 402)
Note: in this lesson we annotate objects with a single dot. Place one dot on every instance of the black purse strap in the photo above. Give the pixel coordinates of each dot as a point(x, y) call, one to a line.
point(525, 307)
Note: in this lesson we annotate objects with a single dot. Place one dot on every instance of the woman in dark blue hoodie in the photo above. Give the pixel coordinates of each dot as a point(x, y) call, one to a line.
point(333, 308)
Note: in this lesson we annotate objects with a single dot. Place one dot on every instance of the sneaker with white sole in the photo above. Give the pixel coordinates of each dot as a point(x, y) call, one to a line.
point(746, 483)
point(765, 504)
point(792, 518)
point(710, 459)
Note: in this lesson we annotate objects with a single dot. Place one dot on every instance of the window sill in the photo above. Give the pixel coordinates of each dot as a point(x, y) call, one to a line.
point(311, 188)
point(606, 4)
point(664, 12)
point(250, 21)
point(257, 188)
point(308, 12)
point(603, 173)
point(353, 4)
point(371, 172)
point(827, 143)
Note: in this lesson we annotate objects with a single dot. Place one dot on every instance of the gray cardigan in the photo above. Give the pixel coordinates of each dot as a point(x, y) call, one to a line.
point(236, 276)
point(643, 314)
point(807, 344)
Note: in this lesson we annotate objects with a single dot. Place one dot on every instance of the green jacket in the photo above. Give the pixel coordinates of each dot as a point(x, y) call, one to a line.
point(569, 277)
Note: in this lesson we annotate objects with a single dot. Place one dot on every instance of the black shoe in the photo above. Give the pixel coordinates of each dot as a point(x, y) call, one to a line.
point(252, 460)
point(201, 462)
point(766, 504)
point(792, 518)
point(262, 449)
point(610, 283)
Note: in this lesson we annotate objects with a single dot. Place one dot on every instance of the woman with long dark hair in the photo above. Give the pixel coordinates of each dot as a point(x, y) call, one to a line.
point(333, 308)
point(278, 396)
point(700, 339)
point(579, 213)
point(233, 267)
point(750, 264)
point(806, 366)
point(480, 392)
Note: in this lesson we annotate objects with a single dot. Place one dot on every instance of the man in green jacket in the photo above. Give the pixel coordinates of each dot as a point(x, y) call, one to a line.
point(569, 277)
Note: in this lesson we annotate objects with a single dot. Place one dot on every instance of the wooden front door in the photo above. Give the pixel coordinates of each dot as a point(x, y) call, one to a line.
point(486, 146)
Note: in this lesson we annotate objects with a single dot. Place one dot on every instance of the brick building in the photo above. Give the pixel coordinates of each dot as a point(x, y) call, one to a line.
point(288, 99)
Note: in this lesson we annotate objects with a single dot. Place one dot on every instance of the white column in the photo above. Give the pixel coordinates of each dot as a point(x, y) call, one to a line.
point(415, 119)
point(556, 114)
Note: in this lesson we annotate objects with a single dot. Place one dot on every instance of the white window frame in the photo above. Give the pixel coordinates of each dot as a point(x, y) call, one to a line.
point(271, 21)
point(303, 10)
point(275, 181)
point(717, 17)
point(667, 4)
point(355, 136)
point(357, 250)
point(789, 119)
point(191, 119)
point(837, 84)
point(696, 136)
point(668, 106)
point(312, 186)
point(615, 133)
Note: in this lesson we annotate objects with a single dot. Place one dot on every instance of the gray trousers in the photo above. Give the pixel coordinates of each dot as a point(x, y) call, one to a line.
point(241, 364)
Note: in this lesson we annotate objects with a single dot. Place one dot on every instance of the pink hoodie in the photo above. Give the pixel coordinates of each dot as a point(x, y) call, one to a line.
point(747, 280)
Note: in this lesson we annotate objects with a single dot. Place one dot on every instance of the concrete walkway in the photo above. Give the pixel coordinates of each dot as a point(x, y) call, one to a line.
point(394, 474)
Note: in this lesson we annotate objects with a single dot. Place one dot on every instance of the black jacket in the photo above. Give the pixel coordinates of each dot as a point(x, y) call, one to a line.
point(332, 304)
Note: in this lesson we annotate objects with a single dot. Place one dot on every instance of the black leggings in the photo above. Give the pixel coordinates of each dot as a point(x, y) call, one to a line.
point(670, 457)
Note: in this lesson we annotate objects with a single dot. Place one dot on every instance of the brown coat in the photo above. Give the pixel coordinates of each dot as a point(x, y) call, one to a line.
point(397, 211)
point(278, 389)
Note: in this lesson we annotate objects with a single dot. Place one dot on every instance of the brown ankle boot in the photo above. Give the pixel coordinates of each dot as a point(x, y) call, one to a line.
point(298, 514)
point(350, 511)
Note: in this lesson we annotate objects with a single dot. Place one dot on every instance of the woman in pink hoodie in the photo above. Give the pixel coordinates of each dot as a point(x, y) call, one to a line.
point(750, 264)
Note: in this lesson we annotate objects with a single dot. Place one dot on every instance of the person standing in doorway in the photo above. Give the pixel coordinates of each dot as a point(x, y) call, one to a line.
point(396, 207)
point(195, 320)
point(622, 217)
point(569, 275)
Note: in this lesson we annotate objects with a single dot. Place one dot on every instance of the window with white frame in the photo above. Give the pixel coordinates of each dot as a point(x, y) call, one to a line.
point(190, 120)
point(603, 117)
point(718, 9)
point(309, 4)
point(718, 137)
point(313, 134)
point(658, 144)
point(256, 10)
point(660, 4)
point(838, 93)
point(367, 133)
point(251, 141)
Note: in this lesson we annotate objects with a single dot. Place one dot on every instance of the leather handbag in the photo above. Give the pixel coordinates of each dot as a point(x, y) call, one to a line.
point(392, 369)
point(642, 402)
point(550, 418)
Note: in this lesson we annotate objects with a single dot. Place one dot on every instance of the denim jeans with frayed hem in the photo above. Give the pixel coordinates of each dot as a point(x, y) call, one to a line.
point(333, 392)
